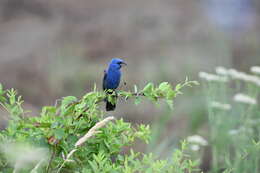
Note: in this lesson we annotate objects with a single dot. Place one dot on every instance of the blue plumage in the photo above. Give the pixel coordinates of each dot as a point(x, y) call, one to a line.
point(112, 78)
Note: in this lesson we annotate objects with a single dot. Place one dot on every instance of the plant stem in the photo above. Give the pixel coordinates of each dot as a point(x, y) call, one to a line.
point(51, 159)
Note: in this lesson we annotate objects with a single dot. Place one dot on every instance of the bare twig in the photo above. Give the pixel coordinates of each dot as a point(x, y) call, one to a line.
point(93, 131)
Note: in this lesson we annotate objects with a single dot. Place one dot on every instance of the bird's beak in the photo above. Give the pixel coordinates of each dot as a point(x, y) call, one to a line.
point(124, 63)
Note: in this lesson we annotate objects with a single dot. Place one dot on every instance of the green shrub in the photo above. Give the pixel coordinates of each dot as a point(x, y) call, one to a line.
point(74, 136)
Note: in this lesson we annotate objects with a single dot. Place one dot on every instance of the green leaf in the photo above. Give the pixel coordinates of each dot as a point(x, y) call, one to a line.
point(164, 86)
point(12, 96)
point(55, 125)
point(178, 87)
point(171, 94)
point(2, 92)
point(137, 100)
point(1, 88)
point(48, 111)
point(148, 89)
point(59, 133)
point(111, 99)
point(67, 100)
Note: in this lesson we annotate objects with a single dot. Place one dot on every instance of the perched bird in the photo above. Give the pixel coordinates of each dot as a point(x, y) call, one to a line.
point(111, 79)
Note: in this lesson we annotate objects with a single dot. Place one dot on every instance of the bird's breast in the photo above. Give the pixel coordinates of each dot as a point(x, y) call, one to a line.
point(113, 79)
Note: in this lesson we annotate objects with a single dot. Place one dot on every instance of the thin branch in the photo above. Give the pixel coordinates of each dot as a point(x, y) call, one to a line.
point(34, 170)
point(51, 159)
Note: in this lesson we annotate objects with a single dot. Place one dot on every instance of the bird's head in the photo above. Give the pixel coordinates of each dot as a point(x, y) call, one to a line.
point(117, 62)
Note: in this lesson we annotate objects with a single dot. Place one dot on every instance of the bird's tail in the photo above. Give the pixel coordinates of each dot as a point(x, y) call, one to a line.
point(110, 106)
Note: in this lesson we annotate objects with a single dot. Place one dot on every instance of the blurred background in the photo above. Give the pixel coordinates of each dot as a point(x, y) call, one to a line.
point(50, 49)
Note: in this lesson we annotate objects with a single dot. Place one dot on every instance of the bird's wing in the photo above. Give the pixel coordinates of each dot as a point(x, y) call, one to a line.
point(104, 80)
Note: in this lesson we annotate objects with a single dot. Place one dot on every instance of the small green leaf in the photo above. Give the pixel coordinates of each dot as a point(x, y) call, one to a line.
point(148, 89)
point(1, 88)
point(171, 94)
point(137, 100)
point(67, 100)
point(111, 99)
point(48, 110)
point(59, 133)
point(178, 87)
point(164, 86)
point(54, 125)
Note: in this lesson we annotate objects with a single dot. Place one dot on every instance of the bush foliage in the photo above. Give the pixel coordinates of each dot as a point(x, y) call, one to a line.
point(75, 136)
